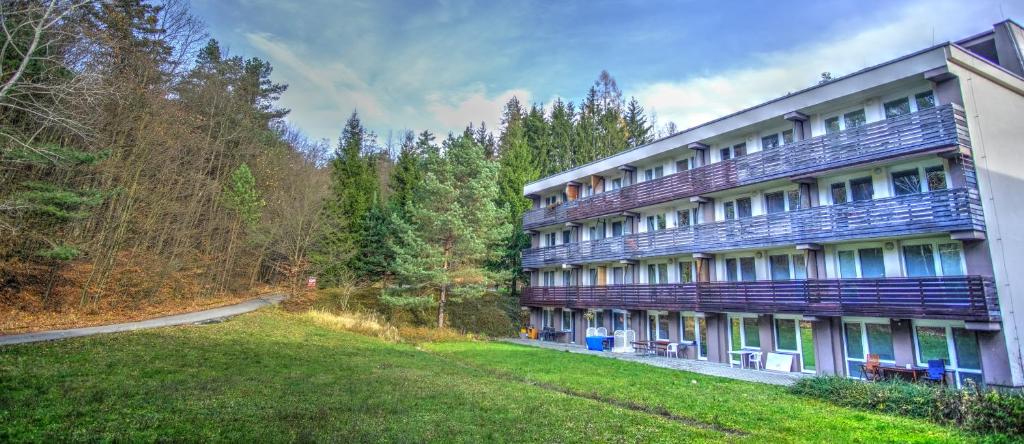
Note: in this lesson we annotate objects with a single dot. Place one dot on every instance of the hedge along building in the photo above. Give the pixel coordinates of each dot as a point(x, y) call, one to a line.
point(877, 213)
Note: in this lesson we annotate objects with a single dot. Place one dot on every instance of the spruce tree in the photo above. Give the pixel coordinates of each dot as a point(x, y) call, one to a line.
point(407, 173)
point(561, 152)
point(538, 136)
point(638, 131)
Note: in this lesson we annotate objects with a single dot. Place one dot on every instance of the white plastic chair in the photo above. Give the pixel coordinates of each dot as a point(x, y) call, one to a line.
point(755, 360)
point(620, 342)
point(591, 331)
point(630, 339)
point(601, 331)
point(672, 350)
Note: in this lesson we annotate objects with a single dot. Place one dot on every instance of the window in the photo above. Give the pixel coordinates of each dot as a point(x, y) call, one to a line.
point(787, 137)
point(618, 276)
point(548, 320)
point(620, 320)
point(906, 182)
point(771, 141)
point(861, 263)
point(593, 276)
point(922, 260)
point(549, 239)
point(694, 328)
point(796, 336)
point(566, 278)
point(950, 342)
point(725, 153)
point(740, 269)
point(551, 200)
point(743, 333)
point(616, 183)
point(786, 266)
point(867, 337)
point(588, 190)
point(566, 320)
point(656, 222)
point(657, 325)
point(597, 320)
point(780, 201)
point(549, 278)
point(861, 189)
point(897, 107)
point(849, 120)
point(657, 273)
point(616, 229)
point(924, 100)
point(909, 181)
point(566, 236)
point(839, 193)
point(682, 165)
point(729, 152)
point(654, 173)
point(739, 208)
point(686, 271)
point(683, 218)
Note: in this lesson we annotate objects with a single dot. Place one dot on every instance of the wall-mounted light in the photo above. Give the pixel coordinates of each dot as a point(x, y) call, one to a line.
point(877, 170)
point(759, 255)
point(889, 245)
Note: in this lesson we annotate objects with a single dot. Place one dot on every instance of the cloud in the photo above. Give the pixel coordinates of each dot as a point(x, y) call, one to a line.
point(473, 107)
point(701, 98)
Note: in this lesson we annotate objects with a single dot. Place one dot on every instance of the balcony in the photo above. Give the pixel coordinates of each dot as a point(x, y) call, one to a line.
point(925, 131)
point(969, 298)
point(933, 212)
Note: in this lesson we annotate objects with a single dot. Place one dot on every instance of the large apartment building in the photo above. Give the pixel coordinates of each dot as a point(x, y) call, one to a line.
point(879, 213)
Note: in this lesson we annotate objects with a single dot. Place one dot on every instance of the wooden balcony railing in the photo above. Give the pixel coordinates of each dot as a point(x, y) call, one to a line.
point(919, 132)
point(971, 298)
point(940, 211)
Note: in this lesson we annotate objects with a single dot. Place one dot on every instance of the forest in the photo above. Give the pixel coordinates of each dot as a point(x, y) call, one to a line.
point(141, 164)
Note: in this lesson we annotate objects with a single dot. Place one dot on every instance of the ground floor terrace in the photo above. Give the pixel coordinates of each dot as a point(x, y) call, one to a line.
point(822, 345)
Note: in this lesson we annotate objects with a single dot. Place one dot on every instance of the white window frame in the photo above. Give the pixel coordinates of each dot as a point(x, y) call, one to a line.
point(954, 364)
point(692, 211)
point(547, 318)
point(545, 281)
point(863, 321)
point(856, 253)
point(936, 257)
point(780, 134)
point(785, 198)
point(731, 148)
point(693, 269)
point(697, 332)
point(847, 182)
point(567, 327)
point(687, 160)
point(842, 118)
point(922, 176)
point(739, 266)
point(616, 183)
point(657, 272)
point(797, 319)
point(658, 315)
point(743, 334)
point(566, 274)
point(736, 206)
point(649, 227)
point(593, 323)
point(789, 259)
point(627, 319)
point(911, 99)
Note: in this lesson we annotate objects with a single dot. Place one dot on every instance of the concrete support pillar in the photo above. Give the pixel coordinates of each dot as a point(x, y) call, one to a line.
point(701, 154)
point(673, 326)
point(813, 260)
point(705, 209)
point(995, 361)
point(808, 188)
point(718, 337)
point(902, 342)
point(705, 265)
point(828, 346)
point(628, 174)
point(801, 125)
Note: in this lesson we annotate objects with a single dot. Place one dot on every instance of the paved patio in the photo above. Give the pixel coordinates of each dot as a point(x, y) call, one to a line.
point(690, 365)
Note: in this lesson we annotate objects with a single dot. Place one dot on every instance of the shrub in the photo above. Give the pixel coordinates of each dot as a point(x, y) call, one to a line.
point(974, 409)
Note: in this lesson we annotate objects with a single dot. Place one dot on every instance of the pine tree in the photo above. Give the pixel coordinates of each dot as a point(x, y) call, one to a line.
point(587, 129)
point(561, 152)
point(538, 136)
point(407, 174)
point(454, 231)
point(638, 131)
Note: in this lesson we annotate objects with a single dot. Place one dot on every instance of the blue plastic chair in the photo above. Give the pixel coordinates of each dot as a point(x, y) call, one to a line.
point(937, 371)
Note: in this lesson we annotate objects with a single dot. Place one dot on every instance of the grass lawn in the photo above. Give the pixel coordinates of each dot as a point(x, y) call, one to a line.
point(276, 376)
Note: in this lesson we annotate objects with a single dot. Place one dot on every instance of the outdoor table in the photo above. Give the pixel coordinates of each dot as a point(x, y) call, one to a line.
point(660, 346)
point(609, 342)
point(913, 373)
point(642, 347)
point(744, 357)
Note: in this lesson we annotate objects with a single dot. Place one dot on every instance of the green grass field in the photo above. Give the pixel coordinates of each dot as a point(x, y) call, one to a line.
point(275, 376)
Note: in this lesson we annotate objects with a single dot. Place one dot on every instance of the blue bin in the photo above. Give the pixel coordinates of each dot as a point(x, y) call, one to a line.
point(595, 343)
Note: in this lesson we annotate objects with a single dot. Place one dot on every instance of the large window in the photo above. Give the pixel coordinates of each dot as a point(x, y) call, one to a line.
point(657, 325)
point(847, 121)
point(548, 319)
point(787, 266)
point(737, 209)
point(740, 269)
point(654, 173)
point(861, 263)
point(616, 229)
point(933, 259)
point(856, 189)
point(744, 334)
point(593, 276)
point(909, 104)
point(597, 320)
point(780, 201)
point(656, 222)
point(549, 239)
point(548, 279)
point(694, 328)
point(682, 165)
point(729, 152)
point(686, 217)
point(566, 278)
point(566, 236)
point(657, 273)
point(686, 271)
point(864, 337)
point(796, 336)
point(616, 183)
point(950, 342)
point(918, 180)
point(566, 320)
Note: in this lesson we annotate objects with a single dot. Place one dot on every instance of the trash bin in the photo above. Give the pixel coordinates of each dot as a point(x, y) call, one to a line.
point(595, 343)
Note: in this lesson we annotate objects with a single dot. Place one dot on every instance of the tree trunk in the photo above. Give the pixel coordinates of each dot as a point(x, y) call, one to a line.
point(440, 306)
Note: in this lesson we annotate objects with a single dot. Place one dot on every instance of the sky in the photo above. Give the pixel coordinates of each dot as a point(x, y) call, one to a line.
point(440, 64)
